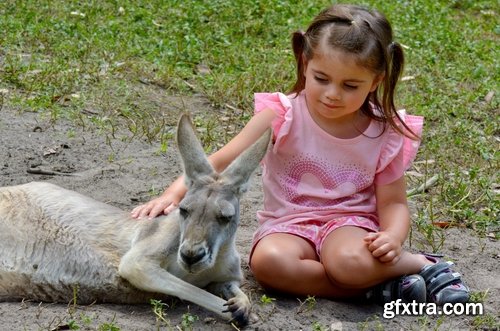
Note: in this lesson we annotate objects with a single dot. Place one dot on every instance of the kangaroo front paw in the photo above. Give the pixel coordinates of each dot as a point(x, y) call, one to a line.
point(241, 311)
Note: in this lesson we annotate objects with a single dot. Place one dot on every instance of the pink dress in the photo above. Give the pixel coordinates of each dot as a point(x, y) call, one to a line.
point(315, 183)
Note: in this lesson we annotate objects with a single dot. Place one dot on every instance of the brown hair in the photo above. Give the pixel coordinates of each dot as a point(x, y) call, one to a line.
point(367, 35)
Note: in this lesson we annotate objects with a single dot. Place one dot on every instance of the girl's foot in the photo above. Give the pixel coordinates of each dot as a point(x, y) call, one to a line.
point(407, 288)
point(443, 285)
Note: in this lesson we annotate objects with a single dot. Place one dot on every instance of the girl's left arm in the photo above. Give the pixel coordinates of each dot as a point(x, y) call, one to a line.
point(394, 220)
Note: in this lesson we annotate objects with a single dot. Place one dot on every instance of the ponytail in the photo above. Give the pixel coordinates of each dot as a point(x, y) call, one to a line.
point(395, 65)
point(298, 46)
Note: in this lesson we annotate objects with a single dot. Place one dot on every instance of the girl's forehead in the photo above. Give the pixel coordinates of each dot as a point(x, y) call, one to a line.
point(333, 59)
point(332, 54)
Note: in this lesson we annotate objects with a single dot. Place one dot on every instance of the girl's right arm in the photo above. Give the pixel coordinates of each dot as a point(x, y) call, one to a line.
point(169, 200)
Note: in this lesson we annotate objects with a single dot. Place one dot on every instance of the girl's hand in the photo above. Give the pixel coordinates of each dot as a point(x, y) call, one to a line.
point(164, 204)
point(384, 246)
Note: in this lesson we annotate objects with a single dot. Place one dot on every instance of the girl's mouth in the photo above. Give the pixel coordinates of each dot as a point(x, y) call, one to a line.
point(330, 106)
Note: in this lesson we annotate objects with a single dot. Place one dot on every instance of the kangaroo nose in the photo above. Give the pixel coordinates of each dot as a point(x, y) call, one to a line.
point(190, 257)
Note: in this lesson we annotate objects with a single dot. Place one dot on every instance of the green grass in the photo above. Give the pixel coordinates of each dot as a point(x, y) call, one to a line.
point(97, 63)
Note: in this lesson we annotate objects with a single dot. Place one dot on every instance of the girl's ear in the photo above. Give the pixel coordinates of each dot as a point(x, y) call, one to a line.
point(376, 82)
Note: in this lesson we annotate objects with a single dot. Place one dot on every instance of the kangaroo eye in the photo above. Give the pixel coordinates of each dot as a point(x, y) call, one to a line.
point(224, 219)
point(184, 212)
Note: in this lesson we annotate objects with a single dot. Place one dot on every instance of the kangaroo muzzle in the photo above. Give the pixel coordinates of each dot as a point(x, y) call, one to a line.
point(191, 255)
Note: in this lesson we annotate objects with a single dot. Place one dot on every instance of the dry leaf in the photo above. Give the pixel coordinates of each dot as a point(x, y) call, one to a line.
point(405, 78)
point(49, 151)
point(489, 96)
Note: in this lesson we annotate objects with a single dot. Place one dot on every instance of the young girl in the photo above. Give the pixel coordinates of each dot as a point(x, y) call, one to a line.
point(335, 212)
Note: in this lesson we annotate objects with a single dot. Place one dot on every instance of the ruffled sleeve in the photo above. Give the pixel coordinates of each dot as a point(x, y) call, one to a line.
point(281, 105)
point(399, 151)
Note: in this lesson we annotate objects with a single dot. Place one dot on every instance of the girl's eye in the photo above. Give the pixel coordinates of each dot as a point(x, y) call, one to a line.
point(350, 87)
point(320, 79)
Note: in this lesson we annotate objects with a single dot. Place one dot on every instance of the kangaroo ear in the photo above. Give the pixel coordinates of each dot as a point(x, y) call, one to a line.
point(195, 162)
point(238, 173)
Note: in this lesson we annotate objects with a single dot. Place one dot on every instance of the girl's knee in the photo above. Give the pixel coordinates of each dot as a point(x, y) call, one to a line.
point(349, 267)
point(277, 256)
point(265, 263)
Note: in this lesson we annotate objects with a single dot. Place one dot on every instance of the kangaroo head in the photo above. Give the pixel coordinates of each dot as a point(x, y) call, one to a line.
point(209, 212)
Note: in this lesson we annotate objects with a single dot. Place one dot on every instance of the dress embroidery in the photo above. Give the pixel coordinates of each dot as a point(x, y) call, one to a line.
point(333, 184)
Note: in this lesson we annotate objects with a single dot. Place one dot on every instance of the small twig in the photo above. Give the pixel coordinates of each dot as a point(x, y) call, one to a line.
point(235, 327)
point(38, 171)
point(429, 183)
point(233, 108)
point(191, 86)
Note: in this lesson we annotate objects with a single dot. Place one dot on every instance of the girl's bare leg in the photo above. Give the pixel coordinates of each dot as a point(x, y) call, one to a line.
point(349, 263)
point(289, 263)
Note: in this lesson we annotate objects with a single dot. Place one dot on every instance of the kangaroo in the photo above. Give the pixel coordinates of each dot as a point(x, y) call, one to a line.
point(53, 240)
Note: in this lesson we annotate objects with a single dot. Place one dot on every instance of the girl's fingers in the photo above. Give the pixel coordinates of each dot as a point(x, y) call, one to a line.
point(154, 208)
point(388, 257)
point(371, 236)
point(158, 208)
point(155, 211)
point(369, 239)
point(136, 211)
point(376, 244)
point(382, 250)
point(170, 208)
point(145, 211)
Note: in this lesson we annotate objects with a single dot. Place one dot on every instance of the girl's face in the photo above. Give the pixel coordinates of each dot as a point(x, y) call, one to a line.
point(336, 87)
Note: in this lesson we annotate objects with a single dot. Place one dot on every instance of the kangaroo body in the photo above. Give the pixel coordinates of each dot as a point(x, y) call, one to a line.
point(54, 241)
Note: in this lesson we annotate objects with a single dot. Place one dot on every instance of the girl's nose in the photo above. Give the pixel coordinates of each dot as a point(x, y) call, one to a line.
point(333, 93)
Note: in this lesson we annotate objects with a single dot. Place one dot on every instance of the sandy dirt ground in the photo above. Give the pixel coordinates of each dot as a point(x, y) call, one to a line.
point(124, 173)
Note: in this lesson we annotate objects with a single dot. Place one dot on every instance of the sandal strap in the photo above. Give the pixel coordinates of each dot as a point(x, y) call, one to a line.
point(429, 273)
point(390, 290)
point(396, 288)
point(443, 280)
point(433, 255)
point(387, 291)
